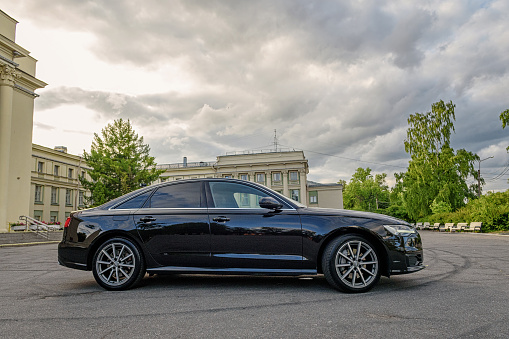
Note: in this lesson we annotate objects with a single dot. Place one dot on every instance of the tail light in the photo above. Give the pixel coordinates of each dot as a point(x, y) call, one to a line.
point(67, 222)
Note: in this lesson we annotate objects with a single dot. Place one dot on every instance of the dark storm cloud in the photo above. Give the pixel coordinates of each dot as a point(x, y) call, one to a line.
point(336, 77)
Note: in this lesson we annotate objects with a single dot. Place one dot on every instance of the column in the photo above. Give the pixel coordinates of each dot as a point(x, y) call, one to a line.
point(7, 76)
point(286, 192)
point(303, 187)
point(251, 176)
point(268, 179)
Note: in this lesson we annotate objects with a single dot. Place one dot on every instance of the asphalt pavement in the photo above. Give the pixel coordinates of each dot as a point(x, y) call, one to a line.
point(463, 292)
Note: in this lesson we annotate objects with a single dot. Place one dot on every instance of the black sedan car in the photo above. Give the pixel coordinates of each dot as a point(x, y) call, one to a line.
point(228, 226)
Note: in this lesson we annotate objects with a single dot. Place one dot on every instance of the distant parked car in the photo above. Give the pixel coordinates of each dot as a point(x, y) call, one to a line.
point(228, 226)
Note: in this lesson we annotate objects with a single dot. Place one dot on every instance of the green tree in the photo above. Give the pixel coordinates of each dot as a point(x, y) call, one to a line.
point(397, 206)
point(119, 162)
point(364, 191)
point(436, 174)
point(504, 117)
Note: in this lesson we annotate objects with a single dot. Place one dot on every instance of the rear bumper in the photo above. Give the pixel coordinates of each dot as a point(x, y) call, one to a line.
point(72, 256)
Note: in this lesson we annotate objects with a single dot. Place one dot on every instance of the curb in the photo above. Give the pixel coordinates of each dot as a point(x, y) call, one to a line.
point(30, 243)
point(505, 234)
point(495, 234)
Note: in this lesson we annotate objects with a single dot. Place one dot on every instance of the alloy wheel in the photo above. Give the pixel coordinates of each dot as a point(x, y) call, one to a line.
point(356, 264)
point(115, 264)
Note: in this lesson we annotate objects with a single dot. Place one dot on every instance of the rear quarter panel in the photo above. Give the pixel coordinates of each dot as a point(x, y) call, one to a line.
point(89, 229)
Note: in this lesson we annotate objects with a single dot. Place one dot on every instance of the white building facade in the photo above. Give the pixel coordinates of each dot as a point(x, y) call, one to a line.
point(17, 85)
point(283, 171)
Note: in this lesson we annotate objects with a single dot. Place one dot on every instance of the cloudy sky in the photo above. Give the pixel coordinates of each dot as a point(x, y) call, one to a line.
point(337, 79)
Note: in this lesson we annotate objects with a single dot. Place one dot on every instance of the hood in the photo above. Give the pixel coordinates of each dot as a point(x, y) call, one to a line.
point(386, 219)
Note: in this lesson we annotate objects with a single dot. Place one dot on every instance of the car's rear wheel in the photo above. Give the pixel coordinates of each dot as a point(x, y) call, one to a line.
point(351, 264)
point(118, 264)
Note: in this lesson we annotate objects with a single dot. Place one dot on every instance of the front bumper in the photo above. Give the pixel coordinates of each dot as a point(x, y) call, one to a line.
point(407, 263)
point(406, 254)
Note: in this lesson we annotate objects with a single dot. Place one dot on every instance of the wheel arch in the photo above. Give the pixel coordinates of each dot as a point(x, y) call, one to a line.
point(353, 230)
point(102, 238)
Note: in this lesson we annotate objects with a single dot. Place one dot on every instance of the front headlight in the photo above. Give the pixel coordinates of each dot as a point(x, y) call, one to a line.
point(400, 229)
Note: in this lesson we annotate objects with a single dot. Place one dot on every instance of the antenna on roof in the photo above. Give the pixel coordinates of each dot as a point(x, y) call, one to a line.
point(275, 140)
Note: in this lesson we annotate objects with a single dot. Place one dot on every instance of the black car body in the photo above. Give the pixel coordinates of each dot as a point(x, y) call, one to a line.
point(228, 226)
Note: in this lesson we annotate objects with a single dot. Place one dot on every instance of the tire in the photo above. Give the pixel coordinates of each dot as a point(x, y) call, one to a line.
point(118, 264)
point(350, 263)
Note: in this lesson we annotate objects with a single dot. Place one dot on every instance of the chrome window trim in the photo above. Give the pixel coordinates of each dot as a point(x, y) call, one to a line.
point(161, 208)
point(199, 208)
point(250, 209)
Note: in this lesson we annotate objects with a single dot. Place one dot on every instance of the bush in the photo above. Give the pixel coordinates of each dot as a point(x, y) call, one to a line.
point(440, 207)
point(492, 209)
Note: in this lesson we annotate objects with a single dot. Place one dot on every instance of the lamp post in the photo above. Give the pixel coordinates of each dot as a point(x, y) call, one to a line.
point(479, 177)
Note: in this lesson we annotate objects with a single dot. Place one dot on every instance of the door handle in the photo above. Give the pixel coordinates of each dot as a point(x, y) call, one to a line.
point(221, 219)
point(147, 219)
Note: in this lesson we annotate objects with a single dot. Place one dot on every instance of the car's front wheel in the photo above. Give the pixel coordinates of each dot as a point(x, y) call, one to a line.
point(351, 264)
point(118, 264)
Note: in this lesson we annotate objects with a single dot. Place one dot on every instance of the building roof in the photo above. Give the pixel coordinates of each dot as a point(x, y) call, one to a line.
point(317, 184)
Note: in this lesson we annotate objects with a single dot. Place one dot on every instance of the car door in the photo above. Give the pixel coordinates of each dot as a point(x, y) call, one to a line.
point(246, 236)
point(174, 225)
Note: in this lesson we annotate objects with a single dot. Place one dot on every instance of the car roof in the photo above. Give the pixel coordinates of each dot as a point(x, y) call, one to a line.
point(127, 196)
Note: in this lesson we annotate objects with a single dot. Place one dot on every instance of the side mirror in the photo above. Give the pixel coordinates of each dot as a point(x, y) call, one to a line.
point(270, 203)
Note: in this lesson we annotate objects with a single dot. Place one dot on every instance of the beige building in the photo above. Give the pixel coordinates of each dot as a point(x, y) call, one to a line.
point(17, 85)
point(55, 188)
point(283, 171)
point(325, 195)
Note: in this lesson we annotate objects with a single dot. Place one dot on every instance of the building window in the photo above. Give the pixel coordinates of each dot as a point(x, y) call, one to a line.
point(294, 176)
point(245, 200)
point(38, 215)
point(38, 193)
point(68, 197)
point(81, 200)
point(54, 195)
point(40, 167)
point(53, 216)
point(244, 177)
point(83, 174)
point(313, 197)
point(227, 176)
point(295, 195)
point(276, 178)
point(260, 178)
point(70, 173)
point(56, 170)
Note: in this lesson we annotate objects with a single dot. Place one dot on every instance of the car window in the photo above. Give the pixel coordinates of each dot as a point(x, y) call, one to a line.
point(185, 195)
point(136, 202)
point(233, 195)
